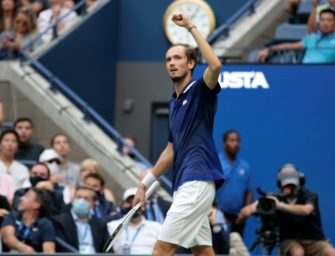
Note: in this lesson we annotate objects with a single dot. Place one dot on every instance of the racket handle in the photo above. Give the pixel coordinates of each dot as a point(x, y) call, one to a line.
point(151, 189)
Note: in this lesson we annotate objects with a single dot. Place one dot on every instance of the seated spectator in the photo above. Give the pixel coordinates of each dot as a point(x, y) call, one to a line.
point(28, 230)
point(103, 209)
point(28, 152)
point(52, 159)
point(50, 16)
point(61, 144)
point(7, 15)
point(9, 141)
point(320, 48)
point(78, 228)
point(7, 186)
point(91, 166)
point(314, 17)
point(127, 151)
point(140, 234)
point(40, 178)
point(21, 37)
point(4, 208)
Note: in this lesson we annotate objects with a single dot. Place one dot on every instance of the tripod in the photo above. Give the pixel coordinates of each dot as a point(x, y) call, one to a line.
point(267, 238)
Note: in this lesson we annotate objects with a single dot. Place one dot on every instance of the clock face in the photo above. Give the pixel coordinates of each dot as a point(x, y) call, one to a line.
point(198, 11)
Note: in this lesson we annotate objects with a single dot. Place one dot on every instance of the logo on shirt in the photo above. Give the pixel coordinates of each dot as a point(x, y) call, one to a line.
point(242, 172)
point(184, 102)
point(246, 80)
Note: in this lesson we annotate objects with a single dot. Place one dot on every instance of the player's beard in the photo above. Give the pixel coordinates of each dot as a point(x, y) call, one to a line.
point(176, 79)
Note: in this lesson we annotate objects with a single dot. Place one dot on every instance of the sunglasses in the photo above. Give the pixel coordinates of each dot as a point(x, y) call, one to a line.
point(21, 22)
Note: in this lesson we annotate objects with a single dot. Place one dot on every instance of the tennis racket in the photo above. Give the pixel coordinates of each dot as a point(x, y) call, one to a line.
point(108, 245)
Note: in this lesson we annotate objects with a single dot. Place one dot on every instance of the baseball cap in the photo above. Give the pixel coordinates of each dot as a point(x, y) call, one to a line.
point(289, 175)
point(128, 193)
point(49, 154)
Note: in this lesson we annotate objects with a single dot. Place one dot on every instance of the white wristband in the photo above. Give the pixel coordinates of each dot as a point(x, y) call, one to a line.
point(148, 180)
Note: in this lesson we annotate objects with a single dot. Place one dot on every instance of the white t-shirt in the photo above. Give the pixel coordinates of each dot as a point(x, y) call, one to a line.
point(140, 239)
point(19, 172)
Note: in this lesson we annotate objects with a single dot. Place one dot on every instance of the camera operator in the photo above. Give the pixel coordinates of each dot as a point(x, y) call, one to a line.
point(297, 216)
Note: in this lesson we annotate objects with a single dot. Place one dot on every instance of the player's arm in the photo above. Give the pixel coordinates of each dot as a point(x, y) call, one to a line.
point(284, 46)
point(311, 24)
point(162, 165)
point(212, 72)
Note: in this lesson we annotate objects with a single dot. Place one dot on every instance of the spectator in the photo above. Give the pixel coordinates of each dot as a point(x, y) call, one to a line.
point(127, 151)
point(236, 192)
point(61, 144)
point(103, 208)
point(9, 141)
point(319, 48)
point(7, 186)
point(40, 178)
point(314, 17)
point(78, 228)
point(50, 16)
point(28, 152)
point(91, 166)
point(7, 15)
point(21, 37)
point(28, 230)
point(140, 234)
point(52, 159)
point(297, 216)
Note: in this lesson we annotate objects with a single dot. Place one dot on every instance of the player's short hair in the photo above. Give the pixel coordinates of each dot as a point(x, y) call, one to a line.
point(96, 176)
point(52, 141)
point(189, 51)
point(4, 133)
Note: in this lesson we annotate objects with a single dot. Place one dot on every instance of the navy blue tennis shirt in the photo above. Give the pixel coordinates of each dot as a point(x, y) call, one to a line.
point(191, 121)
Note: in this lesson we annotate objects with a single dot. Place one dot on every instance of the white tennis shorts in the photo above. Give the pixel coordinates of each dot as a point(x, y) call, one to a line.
point(186, 223)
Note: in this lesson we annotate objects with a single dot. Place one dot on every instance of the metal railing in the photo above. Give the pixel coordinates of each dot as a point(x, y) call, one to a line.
point(223, 31)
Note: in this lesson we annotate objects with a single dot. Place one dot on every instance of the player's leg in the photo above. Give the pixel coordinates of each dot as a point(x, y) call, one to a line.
point(203, 250)
point(164, 248)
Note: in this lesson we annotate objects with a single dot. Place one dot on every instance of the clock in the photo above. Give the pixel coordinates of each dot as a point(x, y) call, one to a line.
point(198, 11)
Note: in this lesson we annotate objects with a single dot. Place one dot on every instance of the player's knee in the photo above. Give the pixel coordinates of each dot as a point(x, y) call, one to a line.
point(297, 251)
point(163, 249)
point(203, 251)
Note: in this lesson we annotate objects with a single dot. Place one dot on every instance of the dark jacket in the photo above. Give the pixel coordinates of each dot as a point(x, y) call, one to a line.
point(66, 230)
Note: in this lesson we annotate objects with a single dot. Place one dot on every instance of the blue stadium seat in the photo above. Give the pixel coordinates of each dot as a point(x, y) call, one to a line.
point(289, 33)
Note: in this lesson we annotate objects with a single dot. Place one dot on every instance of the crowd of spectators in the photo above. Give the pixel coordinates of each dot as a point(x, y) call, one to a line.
point(21, 21)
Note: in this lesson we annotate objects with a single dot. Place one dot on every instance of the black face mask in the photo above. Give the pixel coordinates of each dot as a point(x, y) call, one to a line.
point(124, 211)
point(35, 180)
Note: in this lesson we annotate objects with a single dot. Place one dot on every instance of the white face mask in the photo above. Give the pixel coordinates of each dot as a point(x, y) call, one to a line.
point(53, 167)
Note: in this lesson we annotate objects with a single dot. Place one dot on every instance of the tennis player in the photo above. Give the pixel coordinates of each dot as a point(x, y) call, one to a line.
point(196, 167)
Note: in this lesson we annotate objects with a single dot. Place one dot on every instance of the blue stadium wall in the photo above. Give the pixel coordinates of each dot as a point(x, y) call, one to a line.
point(285, 114)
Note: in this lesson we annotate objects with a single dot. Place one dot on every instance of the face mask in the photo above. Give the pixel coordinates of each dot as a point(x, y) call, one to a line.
point(53, 167)
point(35, 180)
point(81, 207)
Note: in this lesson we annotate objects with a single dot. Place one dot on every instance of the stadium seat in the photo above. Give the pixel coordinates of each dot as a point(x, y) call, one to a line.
point(289, 33)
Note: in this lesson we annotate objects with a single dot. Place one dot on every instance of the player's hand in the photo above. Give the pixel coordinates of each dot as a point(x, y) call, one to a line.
point(316, 3)
point(140, 196)
point(263, 55)
point(182, 20)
